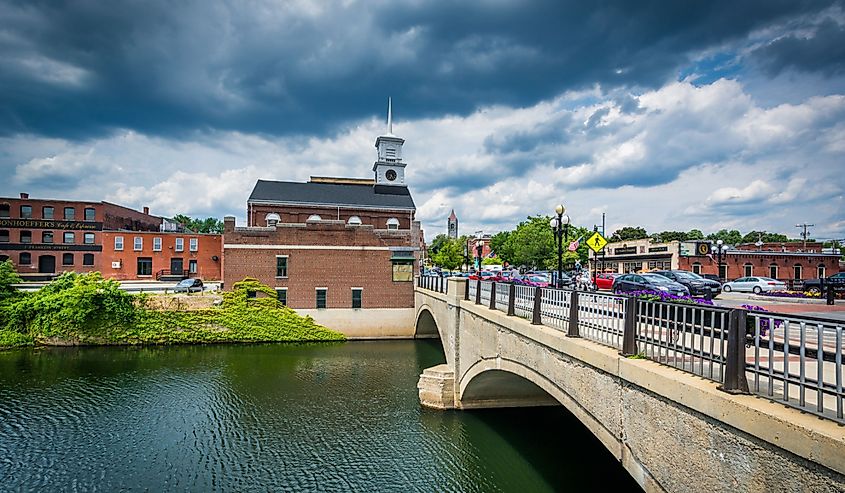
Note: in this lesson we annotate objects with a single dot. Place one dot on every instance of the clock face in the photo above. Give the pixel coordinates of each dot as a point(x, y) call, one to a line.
point(390, 175)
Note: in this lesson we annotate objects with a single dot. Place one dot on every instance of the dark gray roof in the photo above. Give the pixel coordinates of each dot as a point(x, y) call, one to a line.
point(331, 194)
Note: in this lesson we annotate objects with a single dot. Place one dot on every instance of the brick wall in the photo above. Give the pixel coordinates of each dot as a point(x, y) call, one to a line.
point(208, 247)
point(761, 264)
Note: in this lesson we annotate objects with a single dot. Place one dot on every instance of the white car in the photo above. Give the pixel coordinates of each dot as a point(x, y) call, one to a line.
point(755, 285)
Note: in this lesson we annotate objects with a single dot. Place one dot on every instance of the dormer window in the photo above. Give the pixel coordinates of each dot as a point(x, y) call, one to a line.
point(392, 223)
point(272, 219)
point(315, 217)
point(355, 221)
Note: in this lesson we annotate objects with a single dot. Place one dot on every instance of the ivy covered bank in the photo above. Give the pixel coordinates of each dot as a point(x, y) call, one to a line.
point(86, 309)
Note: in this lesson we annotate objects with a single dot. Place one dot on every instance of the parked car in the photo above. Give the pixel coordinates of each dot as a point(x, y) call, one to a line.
point(815, 285)
point(647, 282)
point(537, 280)
point(605, 280)
point(755, 285)
point(712, 277)
point(189, 286)
point(697, 285)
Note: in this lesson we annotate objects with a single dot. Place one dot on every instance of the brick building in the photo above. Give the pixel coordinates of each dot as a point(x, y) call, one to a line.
point(157, 254)
point(48, 237)
point(342, 250)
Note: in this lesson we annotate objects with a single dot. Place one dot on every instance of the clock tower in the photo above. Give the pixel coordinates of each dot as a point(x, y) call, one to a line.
point(389, 168)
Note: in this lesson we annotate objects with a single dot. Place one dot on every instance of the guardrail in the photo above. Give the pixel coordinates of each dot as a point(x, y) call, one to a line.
point(433, 283)
point(794, 360)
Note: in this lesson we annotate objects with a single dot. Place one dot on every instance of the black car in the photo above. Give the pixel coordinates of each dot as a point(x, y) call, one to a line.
point(648, 282)
point(697, 285)
point(189, 286)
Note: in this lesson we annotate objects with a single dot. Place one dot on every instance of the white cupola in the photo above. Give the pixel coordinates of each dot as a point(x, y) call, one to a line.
point(389, 168)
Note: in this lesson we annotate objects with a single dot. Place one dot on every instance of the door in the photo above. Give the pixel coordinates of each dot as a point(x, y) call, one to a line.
point(46, 264)
point(176, 266)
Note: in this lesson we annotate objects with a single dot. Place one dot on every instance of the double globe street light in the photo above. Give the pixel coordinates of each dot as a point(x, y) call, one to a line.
point(479, 247)
point(721, 249)
point(560, 227)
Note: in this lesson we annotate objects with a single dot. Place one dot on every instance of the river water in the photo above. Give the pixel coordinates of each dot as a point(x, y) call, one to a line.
point(275, 417)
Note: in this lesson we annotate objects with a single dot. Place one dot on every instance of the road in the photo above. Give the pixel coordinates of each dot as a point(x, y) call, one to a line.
point(733, 300)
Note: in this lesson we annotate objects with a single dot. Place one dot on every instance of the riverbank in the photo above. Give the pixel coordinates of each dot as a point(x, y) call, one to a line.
point(85, 310)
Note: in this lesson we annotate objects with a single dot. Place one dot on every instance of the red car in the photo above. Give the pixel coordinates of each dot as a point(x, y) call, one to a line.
point(605, 280)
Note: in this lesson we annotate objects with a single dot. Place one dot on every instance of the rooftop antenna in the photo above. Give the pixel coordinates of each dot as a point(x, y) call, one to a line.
point(389, 116)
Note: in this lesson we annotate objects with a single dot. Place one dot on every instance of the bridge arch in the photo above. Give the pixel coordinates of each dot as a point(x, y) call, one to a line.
point(426, 326)
point(491, 380)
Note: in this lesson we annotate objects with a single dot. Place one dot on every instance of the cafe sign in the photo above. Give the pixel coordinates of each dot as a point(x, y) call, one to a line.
point(48, 224)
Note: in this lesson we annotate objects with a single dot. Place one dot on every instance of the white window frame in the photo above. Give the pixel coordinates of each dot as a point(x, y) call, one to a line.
point(748, 270)
point(326, 298)
point(777, 269)
point(193, 244)
point(179, 245)
point(287, 266)
point(696, 268)
point(193, 266)
point(393, 223)
point(821, 271)
point(354, 221)
point(314, 217)
point(362, 297)
point(157, 244)
point(138, 244)
point(285, 290)
point(118, 243)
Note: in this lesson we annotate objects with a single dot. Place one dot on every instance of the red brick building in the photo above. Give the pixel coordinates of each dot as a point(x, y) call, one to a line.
point(156, 254)
point(48, 237)
point(342, 250)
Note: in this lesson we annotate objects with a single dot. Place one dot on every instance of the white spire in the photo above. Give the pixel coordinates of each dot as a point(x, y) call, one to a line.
point(389, 116)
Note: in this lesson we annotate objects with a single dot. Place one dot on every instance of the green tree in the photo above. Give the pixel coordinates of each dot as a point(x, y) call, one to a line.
point(451, 253)
point(694, 234)
point(732, 237)
point(765, 237)
point(8, 277)
point(667, 236)
point(492, 261)
point(628, 233)
point(436, 243)
point(532, 243)
point(500, 245)
point(207, 225)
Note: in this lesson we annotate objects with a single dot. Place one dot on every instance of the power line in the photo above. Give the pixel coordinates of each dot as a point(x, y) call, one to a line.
point(805, 234)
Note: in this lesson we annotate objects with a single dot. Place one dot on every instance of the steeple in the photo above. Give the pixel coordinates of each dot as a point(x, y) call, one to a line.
point(452, 225)
point(389, 168)
point(389, 116)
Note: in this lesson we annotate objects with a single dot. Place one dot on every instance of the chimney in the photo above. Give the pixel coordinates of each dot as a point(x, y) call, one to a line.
point(146, 210)
point(24, 195)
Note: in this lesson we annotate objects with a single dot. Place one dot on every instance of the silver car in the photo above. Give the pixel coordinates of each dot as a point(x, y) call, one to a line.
point(754, 285)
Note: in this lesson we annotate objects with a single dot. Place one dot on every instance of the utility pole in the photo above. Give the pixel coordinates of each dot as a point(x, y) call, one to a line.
point(805, 234)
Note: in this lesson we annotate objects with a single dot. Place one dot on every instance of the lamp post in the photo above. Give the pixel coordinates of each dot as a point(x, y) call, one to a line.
point(479, 248)
point(721, 249)
point(466, 256)
point(560, 228)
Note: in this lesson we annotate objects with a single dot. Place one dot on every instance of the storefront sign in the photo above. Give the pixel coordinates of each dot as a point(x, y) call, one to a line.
point(44, 224)
point(51, 246)
point(625, 250)
point(658, 249)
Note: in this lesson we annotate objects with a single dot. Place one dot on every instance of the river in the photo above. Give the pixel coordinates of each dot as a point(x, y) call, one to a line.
point(274, 417)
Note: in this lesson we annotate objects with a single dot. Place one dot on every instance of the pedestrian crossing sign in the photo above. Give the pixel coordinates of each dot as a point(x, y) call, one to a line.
point(597, 242)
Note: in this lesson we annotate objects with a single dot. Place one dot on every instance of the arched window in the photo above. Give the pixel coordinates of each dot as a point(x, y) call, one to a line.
point(315, 217)
point(67, 259)
point(773, 271)
point(26, 258)
point(748, 269)
point(392, 223)
point(796, 270)
point(272, 219)
point(355, 220)
point(821, 271)
point(696, 268)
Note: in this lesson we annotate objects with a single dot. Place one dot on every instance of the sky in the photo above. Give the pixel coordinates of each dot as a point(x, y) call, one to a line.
point(662, 114)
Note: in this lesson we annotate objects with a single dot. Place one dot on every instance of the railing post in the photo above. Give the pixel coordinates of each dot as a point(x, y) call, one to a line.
point(831, 293)
point(538, 295)
point(734, 377)
point(573, 315)
point(512, 300)
point(629, 334)
point(493, 295)
point(478, 292)
point(466, 290)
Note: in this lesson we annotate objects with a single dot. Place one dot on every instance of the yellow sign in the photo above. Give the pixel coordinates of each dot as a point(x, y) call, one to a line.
point(597, 242)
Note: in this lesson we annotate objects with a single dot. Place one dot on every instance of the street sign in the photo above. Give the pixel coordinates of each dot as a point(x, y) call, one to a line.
point(597, 242)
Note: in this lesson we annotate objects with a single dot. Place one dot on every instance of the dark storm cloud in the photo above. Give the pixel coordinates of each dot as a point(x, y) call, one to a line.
point(822, 52)
point(80, 69)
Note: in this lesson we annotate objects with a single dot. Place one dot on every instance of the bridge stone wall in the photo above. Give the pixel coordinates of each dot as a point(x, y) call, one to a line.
point(671, 430)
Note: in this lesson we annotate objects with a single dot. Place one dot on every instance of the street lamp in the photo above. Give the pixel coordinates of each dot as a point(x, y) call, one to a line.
point(479, 247)
point(721, 249)
point(560, 228)
point(466, 255)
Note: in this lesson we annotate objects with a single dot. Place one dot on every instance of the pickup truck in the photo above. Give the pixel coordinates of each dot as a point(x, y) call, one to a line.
point(814, 285)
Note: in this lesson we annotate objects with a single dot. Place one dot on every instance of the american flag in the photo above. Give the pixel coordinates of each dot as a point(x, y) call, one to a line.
point(574, 245)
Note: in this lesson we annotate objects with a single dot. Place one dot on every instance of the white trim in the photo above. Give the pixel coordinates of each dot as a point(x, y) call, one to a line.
point(357, 288)
point(333, 206)
point(234, 246)
point(315, 289)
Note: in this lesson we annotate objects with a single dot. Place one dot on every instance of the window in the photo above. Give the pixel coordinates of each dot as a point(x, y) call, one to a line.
point(314, 217)
point(26, 212)
point(88, 259)
point(193, 244)
point(88, 238)
point(723, 271)
point(67, 259)
point(138, 244)
point(145, 266)
point(403, 271)
point(773, 271)
point(26, 236)
point(355, 220)
point(357, 294)
point(796, 272)
point(696, 268)
point(90, 214)
point(281, 266)
point(4, 235)
point(4, 210)
point(250, 293)
point(47, 237)
point(630, 267)
point(47, 212)
point(321, 297)
point(180, 244)
point(156, 244)
point(820, 270)
point(392, 223)
point(69, 238)
point(118, 243)
point(282, 295)
point(748, 270)
point(70, 213)
point(192, 266)
point(25, 259)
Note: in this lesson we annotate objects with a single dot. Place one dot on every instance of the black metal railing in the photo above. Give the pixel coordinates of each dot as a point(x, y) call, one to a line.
point(433, 283)
point(795, 360)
